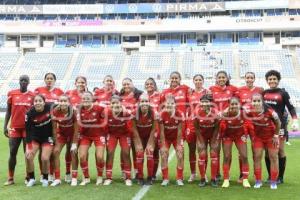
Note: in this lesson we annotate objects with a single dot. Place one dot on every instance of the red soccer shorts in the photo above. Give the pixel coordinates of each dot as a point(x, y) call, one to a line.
point(17, 133)
point(190, 136)
point(112, 141)
point(98, 141)
point(64, 139)
point(173, 142)
point(238, 140)
point(263, 143)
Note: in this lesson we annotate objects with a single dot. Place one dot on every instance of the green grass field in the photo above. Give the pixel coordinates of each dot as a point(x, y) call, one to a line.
point(290, 190)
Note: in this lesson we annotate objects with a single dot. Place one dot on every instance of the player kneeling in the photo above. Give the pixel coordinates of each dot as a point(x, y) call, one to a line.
point(144, 127)
point(206, 127)
point(117, 122)
point(92, 130)
point(170, 122)
point(65, 129)
point(265, 136)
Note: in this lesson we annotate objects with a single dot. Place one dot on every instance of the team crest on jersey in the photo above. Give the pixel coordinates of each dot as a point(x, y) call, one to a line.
point(94, 114)
point(228, 92)
point(229, 122)
point(176, 121)
point(17, 97)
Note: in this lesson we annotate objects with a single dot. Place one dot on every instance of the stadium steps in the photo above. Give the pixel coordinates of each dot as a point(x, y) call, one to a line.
point(236, 65)
point(11, 75)
point(295, 61)
point(124, 72)
point(69, 70)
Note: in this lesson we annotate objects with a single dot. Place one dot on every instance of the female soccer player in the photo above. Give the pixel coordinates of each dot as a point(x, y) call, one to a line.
point(19, 101)
point(144, 127)
point(92, 130)
point(278, 99)
point(245, 94)
point(194, 100)
point(51, 94)
point(222, 92)
point(265, 133)
point(66, 132)
point(234, 130)
point(170, 121)
point(118, 119)
point(39, 136)
point(206, 124)
point(154, 98)
point(76, 94)
point(104, 94)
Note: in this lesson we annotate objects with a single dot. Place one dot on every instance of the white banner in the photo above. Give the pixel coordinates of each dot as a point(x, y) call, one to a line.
point(73, 9)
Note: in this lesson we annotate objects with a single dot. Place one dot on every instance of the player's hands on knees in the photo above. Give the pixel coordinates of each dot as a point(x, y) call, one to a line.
point(29, 154)
point(149, 148)
point(164, 151)
point(179, 150)
point(275, 140)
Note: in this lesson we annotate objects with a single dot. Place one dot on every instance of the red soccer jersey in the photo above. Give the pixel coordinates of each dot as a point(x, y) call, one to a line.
point(118, 125)
point(155, 101)
point(170, 124)
point(144, 124)
point(181, 96)
point(233, 126)
point(245, 94)
point(75, 97)
point(51, 96)
point(194, 101)
point(129, 101)
point(222, 95)
point(91, 121)
point(206, 121)
point(103, 96)
point(20, 104)
point(264, 126)
point(65, 122)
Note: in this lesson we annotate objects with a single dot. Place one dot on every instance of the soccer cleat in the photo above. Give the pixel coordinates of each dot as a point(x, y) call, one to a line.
point(45, 183)
point(107, 182)
point(31, 183)
point(9, 182)
point(149, 181)
point(74, 182)
point(50, 178)
point(128, 182)
point(99, 180)
point(85, 181)
point(214, 183)
point(192, 178)
point(218, 177)
point(273, 185)
point(246, 183)
point(226, 183)
point(179, 182)
point(288, 143)
point(202, 182)
point(258, 184)
point(56, 182)
point(165, 182)
point(141, 181)
point(68, 178)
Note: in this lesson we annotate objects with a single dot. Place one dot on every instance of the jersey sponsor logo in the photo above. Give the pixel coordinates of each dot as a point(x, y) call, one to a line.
point(271, 102)
point(43, 123)
point(171, 127)
point(22, 104)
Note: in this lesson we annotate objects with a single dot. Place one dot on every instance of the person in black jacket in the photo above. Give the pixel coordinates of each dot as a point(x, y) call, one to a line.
point(39, 135)
point(278, 98)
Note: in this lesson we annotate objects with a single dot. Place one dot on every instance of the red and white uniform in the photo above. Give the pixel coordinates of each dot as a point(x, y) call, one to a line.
point(144, 126)
point(171, 124)
point(20, 105)
point(118, 129)
point(92, 125)
point(155, 101)
point(222, 95)
point(65, 128)
point(234, 129)
point(194, 102)
point(245, 94)
point(51, 96)
point(206, 122)
point(103, 96)
point(75, 97)
point(129, 102)
point(263, 128)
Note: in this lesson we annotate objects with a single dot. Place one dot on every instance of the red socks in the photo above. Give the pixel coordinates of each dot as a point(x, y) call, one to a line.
point(245, 171)
point(257, 173)
point(140, 163)
point(68, 159)
point(150, 163)
point(165, 173)
point(85, 169)
point(201, 164)
point(109, 171)
point(100, 168)
point(226, 168)
point(214, 165)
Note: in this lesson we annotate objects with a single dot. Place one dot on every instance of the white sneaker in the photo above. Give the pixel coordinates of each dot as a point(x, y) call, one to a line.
point(45, 183)
point(273, 186)
point(68, 178)
point(107, 182)
point(128, 182)
point(192, 178)
point(85, 181)
point(74, 182)
point(30, 183)
point(99, 180)
point(226, 183)
point(257, 185)
point(50, 178)
point(9, 182)
point(165, 182)
point(179, 182)
point(56, 182)
point(288, 143)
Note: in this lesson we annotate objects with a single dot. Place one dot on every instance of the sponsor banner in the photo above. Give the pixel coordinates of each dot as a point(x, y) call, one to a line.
point(73, 9)
point(21, 9)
